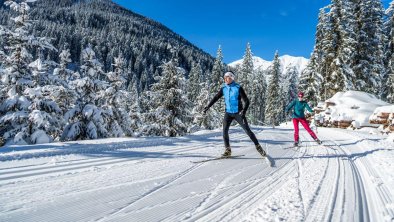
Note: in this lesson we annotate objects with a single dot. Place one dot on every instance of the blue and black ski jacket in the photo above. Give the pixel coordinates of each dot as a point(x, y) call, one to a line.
point(233, 94)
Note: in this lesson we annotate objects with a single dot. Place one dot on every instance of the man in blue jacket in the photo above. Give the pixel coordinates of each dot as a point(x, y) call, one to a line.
point(234, 94)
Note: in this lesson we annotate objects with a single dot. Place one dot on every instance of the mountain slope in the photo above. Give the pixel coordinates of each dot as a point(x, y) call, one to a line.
point(111, 30)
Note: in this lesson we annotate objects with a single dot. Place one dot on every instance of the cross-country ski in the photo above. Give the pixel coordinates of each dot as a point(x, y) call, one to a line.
point(217, 158)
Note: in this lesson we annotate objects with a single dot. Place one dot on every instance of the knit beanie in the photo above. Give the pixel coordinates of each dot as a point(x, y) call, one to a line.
point(229, 74)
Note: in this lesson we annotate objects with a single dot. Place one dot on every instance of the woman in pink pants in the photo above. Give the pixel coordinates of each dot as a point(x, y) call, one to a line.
point(299, 106)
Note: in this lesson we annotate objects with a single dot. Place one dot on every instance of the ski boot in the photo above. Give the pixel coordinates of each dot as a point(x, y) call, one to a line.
point(296, 144)
point(318, 141)
point(227, 153)
point(260, 150)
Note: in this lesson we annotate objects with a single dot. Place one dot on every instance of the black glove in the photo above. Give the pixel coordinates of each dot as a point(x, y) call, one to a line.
point(205, 110)
point(242, 113)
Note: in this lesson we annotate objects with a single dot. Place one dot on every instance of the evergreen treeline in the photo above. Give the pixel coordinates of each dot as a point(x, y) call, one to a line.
point(44, 99)
point(110, 30)
point(353, 51)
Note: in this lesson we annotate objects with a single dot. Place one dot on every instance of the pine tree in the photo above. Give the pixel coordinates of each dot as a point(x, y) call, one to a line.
point(390, 81)
point(325, 73)
point(63, 94)
point(45, 113)
point(203, 121)
point(329, 49)
point(273, 110)
point(387, 92)
point(346, 24)
point(310, 82)
point(62, 72)
point(194, 81)
point(216, 79)
point(85, 120)
point(215, 83)
point(257, 98)
point(116, 100)
point(25, 117)
point(289, 88)
point(246, 73)
point(369, 68)
point(168, 104)
point(135, 111)
point(390, 88)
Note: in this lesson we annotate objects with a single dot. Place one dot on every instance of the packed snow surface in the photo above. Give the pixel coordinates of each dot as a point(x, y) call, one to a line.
point(348, 178)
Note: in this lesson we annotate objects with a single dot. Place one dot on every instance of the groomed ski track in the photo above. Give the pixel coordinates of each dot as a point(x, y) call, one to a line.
point(153, 179)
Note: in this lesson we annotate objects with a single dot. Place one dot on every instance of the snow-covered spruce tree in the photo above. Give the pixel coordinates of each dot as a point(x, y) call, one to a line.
point(289, 88)
point(346, 26)
point(16, 75)
point(85, 119)
point(369, 59)
point(257, 98)
point(388, 52)
point(215, 83)
point(203, 121)
point(327, 49)
point(116, 101)
point(273, 108)
point(46, 114)
point(216, 79)
point(167, 103)
point(62, 72)
point(310, 82)
point(135, 110)
point(246, 74)
point(390, 81)
point(3, 96)
point(390, 88)
point(315, 78)
point(27, 114)
point(194, 82)
point(62, 93)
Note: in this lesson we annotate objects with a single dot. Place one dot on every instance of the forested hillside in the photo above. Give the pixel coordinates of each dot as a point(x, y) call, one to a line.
point(111, 30)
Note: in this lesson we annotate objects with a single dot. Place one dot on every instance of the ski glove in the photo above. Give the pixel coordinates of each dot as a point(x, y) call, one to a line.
point(205, 109)
point(242, 113)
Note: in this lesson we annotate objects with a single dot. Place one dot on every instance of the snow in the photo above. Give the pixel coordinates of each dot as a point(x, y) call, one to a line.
point(39, 137)
point(285, 61)
point(348, 178)
point(354, 106)
point(385, 109)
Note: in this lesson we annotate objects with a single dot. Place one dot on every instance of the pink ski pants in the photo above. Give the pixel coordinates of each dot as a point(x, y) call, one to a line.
point(305, 125)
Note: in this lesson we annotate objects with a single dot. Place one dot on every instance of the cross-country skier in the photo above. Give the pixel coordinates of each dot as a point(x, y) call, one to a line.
point(234, 94)
point(299, 105)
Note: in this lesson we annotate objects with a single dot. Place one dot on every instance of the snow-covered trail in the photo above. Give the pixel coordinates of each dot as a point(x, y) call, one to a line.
point(349, 178)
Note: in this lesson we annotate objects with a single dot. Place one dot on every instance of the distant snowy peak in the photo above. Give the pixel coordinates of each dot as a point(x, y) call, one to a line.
point(285, 61)
point(299, 62)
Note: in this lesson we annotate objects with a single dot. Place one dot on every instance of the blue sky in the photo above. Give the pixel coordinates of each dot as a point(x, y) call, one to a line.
point(285, 25)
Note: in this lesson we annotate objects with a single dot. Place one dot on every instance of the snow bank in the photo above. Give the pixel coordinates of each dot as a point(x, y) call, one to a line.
point(351, 106)
point(390, 138)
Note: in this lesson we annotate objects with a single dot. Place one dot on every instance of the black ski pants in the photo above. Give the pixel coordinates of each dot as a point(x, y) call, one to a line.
point(228, 118)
